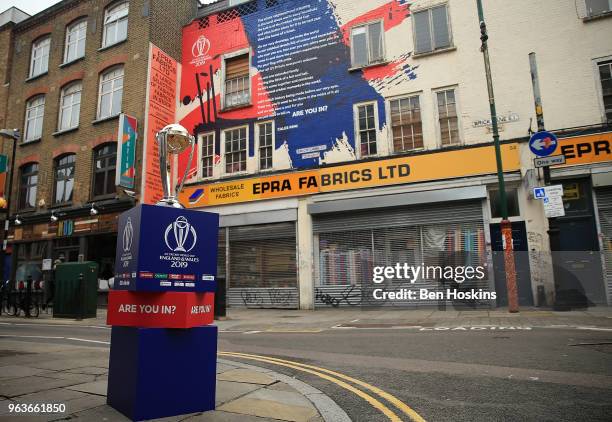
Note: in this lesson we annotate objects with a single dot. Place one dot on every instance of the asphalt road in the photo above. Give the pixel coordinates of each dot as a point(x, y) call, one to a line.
point(536, 375)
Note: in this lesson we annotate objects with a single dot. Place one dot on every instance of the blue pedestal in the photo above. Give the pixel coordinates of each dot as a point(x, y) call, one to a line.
point(160, 372)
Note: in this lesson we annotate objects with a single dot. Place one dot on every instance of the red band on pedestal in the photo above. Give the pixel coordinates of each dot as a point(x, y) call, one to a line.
point(160, 310)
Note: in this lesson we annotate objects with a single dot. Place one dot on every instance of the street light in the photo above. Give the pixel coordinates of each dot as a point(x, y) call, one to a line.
point(506, 226)
point(14, 135)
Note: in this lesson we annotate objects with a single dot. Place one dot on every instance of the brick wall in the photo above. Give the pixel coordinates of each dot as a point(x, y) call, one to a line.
point(132, 53)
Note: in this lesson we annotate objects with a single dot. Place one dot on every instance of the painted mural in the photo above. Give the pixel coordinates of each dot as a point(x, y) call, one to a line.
point(301, 75)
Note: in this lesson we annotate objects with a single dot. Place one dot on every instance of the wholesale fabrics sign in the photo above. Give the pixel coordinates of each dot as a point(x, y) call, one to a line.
point(126, 151)
point(160, 111)
point(437, 166)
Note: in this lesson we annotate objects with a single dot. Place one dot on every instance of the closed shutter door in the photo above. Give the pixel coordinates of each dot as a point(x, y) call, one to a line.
point(352, 244)
point(262, 266)
point(604, 208)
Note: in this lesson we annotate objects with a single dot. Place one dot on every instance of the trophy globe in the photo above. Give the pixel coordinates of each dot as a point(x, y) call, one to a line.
point(172, 140)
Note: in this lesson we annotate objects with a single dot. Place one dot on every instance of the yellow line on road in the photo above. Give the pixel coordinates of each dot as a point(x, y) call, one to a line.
point(407, 410)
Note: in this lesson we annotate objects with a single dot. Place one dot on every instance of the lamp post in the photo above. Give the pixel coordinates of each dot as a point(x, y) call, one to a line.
point(506, 227)
point(14, 135)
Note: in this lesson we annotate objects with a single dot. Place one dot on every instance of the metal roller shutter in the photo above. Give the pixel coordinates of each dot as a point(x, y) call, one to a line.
point(352, 244)
point(604, 208)
point(262, 269)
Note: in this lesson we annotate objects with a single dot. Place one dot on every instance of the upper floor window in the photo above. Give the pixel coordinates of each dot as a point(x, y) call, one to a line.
point(366, 129)
point(605, 77)
point(75, 41)
point(207, 145)
point(70, 106)
point(28, 185)
point(35, 110)
point(431, 30)
point(406, 124)
point(447, 117)
point(265, 139)
point(598, 7)
point(115, 24)
point(237, 81)
point(367, 44)
point(235, 149)
point(111, 92)
point(64, 178)
point(105, 162)
point(39, 62)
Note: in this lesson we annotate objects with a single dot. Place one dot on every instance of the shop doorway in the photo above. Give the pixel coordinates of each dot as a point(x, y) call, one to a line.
point(576, 257)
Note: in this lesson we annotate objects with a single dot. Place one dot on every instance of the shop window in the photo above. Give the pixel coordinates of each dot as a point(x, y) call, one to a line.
point(367, 45)
point(447, 117)
point(64, 178)
point(35, 111)
point(39, 61)
point(605, 78)
point(511, 200)
point(265, 137)
point(28, 186)
point(598, 7)
point(235, 149)
point(365, 115)
point(76, 35)
point(406, 124)
point(431, 30)
point(111, 93)
point(115, 24)
point(105, 161)
point(207, 154)
point(70, 106)
point(237, 81)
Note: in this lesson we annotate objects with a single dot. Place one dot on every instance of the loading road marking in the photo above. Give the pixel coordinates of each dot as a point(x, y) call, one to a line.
point(337, 379)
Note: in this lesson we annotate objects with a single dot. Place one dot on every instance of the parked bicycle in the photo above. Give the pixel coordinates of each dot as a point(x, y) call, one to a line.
point(26, 299)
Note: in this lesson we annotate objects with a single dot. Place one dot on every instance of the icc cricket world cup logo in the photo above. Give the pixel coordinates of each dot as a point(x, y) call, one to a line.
point(128, 236)
point(183, 234)
point(199, 50)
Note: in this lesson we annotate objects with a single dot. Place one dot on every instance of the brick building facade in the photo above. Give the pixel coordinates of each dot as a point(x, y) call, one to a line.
point(71, 70)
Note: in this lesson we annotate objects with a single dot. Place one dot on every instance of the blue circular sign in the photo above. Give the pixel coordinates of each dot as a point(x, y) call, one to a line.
point(543, 143)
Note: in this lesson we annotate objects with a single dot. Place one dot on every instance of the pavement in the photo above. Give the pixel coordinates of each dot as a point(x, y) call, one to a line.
point(283, 320)
point(76, 376)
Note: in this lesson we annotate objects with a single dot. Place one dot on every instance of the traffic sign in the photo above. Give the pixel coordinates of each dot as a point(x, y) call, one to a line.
point(539, 193)
point(551, 160)
point(552, 198)
point(543, 143)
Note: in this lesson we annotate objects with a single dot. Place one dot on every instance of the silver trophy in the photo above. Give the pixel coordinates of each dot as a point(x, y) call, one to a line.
point(173, 139)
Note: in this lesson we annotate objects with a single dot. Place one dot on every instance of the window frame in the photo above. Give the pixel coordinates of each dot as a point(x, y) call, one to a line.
point(110, 171)
point(433, 50)
point(201, 138)
point(366, 25)
point(26, 137)
point(26, 189)
point(224, 58)
point(56, 167)
point(357, 131)
point(109, 9)
point(72, 105)
point(112, 92)
point(75, 25)
point(435, 92)
point(258, 146)
point(36, 45)
point(599, 88)
point(418, 95)
point(597, 15)
point(224, 151)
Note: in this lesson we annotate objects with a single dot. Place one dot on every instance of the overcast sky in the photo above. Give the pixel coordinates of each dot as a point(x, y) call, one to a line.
point(32, 7)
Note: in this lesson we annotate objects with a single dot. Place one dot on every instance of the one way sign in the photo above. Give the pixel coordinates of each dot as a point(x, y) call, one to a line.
point(543, 143)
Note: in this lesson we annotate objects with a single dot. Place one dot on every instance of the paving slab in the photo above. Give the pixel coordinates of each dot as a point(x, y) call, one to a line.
point(19, 386)
point(245, 376)
point(91, 370)
point(281, 386)
point(285, 397)
point(14, 371)
point(96, 387)
point(56, 395)
point(64, 375)
point(220, 416)
point(88, 401)
point(270, 409)
point(223, 367)
point(227, 390)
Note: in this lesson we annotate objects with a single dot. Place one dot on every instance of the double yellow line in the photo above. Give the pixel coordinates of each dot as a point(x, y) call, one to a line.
point(337, 378)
